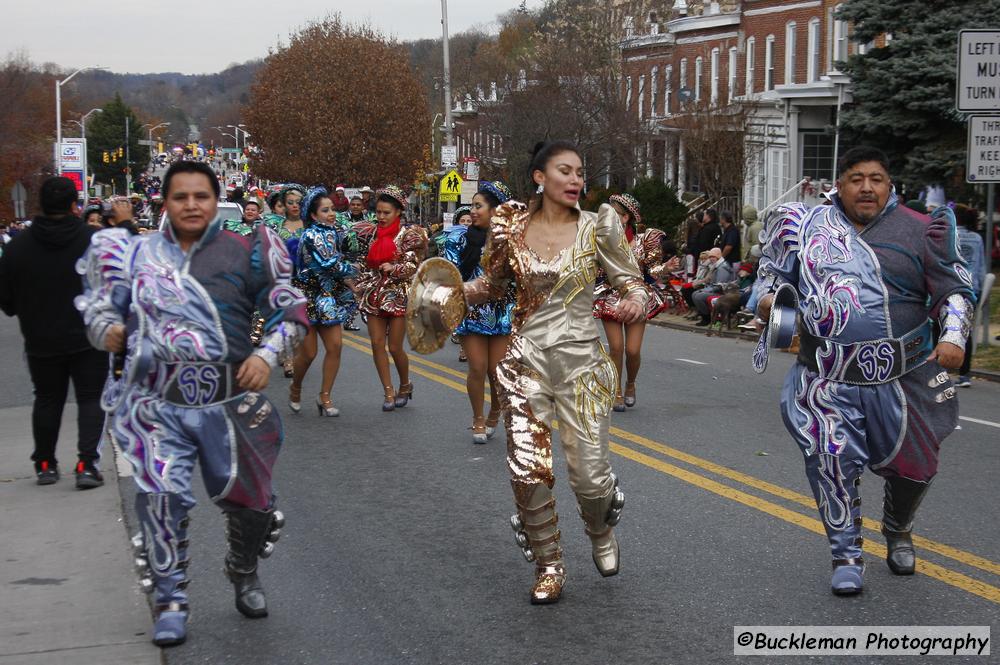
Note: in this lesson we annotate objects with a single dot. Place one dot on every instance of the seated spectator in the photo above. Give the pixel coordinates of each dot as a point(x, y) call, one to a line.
point(699, 279)
point(719, 274)
point(735, 296)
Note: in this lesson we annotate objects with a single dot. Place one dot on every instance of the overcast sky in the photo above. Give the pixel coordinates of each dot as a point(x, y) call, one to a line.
point(205, 36)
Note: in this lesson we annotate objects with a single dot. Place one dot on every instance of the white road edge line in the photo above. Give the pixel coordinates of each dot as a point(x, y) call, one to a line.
point(981, 422)
point(693, 362)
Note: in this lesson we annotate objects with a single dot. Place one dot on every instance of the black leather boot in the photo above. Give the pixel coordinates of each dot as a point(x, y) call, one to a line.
point(902, 498)
point(251, 534)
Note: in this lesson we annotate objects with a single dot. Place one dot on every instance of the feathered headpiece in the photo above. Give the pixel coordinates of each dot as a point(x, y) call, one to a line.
point(394, 192)
point(311, 195)
point(497, 189)
point(631, 205)
point(292, 187)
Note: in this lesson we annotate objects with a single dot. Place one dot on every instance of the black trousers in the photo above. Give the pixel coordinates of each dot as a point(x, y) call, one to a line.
point(967, 361)
point(51, 376)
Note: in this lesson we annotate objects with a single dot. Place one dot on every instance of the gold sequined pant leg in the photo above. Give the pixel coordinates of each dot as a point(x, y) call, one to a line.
point(587, 381)
point(527, 399)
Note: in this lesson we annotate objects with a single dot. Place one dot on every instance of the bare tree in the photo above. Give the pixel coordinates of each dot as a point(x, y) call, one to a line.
point(719, 154)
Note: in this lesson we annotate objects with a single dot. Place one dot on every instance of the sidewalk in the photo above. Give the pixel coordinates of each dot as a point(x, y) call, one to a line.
point(69, 591)
point(676, 322)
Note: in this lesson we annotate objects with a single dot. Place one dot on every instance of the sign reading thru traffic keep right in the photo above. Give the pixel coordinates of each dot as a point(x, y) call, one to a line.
point(978, 84)
point(983, 163)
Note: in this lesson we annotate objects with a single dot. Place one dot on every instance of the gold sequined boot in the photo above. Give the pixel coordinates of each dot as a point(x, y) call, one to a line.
point(599, 516)
point(536, 531)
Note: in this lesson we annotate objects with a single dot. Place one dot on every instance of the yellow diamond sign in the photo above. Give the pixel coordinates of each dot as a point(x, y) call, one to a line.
point(451, 187)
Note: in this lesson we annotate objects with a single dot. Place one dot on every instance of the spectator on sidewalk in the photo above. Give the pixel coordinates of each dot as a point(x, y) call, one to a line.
point(970, 245)
point(710, 232)
point(752, 227)
point(38, 284)
point(730, 242)
point(722, 274)
point(340, 201)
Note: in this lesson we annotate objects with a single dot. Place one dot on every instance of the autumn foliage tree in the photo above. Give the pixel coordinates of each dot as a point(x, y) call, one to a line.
point(27, 128)
point(339, 104)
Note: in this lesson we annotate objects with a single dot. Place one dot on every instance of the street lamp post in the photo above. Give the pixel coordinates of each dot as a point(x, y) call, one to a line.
point(234, 137)
point(83, 132)
point(59, 85)
point(449, 139)
point(239, 128)
point(150, 139)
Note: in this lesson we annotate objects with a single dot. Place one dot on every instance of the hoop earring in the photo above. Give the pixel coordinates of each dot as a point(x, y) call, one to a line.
point(541, 188)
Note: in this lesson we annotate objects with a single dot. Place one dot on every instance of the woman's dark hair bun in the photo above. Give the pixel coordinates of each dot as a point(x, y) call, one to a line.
point(546, 150)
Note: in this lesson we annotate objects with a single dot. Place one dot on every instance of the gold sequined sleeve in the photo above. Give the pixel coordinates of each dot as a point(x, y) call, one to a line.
point(496, 261)
point(413, 250)
point(616, 256)
point(651, 258)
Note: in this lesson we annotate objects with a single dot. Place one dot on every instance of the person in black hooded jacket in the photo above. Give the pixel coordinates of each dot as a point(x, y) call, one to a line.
point(38, 283)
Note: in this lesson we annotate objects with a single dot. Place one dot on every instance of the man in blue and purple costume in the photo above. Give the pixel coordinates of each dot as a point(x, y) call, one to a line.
point(884, 304)
point(176, 306)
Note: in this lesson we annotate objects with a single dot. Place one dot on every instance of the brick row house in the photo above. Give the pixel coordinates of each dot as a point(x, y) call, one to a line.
point(778, 59)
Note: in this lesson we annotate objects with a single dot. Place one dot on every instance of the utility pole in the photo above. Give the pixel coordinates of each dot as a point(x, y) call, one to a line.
point(988, 248)
point(449, 138)
point(128, 167)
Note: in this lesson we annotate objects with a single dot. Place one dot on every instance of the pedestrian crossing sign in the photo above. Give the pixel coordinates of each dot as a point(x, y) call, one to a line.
point(451, 187)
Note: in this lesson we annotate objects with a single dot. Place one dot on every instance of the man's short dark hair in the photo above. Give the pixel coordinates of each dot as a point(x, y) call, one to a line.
point(252, 203)
point(713, 215)
point(191, 167)
point(862, 153)
point(726, 215)
point(357, 198)
point(57, 196)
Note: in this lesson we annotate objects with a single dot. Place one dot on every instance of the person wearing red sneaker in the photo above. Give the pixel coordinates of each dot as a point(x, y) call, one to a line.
point(38, 283)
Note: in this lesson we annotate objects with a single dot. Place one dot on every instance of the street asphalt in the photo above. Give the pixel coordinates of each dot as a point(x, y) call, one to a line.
point(397, 548)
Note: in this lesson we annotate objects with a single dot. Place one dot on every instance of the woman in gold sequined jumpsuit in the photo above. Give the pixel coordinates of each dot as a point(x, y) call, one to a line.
point(555, 366)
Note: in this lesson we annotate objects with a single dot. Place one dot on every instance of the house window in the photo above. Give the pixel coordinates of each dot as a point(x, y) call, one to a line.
point(731, 84)
point(697, 79)
point(642, 97)
point(839, 43)
point(667, 89)
point(769, 63)
point(628, 93)
point(814, 53)
point(817, 155)
point(777, 173)
point(653, 90)
point(684, 74)
point(715, 76)
point(790, 48)
point(751, 61)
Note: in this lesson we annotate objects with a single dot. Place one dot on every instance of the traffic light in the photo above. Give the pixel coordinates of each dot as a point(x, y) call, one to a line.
point(106, 159)
point(121, 151)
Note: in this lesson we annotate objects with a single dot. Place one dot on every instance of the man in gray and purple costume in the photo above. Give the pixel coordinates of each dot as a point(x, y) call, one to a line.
point(176, 307)
point(884, 303)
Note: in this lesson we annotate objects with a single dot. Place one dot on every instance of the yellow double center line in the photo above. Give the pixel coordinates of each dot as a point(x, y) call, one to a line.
point(933, 570)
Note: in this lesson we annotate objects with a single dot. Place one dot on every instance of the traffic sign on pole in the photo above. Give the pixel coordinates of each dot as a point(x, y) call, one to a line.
point(451, 187)
point(983, 161)
point(977, 86)
point(449, 156)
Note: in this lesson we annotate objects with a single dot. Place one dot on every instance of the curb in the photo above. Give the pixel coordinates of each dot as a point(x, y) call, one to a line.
point(984, 374)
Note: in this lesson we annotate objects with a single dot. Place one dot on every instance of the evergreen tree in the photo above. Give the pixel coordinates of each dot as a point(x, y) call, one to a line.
point(106, 133)
point(904, 87)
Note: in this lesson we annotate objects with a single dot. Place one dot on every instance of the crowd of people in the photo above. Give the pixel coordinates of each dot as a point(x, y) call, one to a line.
point(198, 312)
